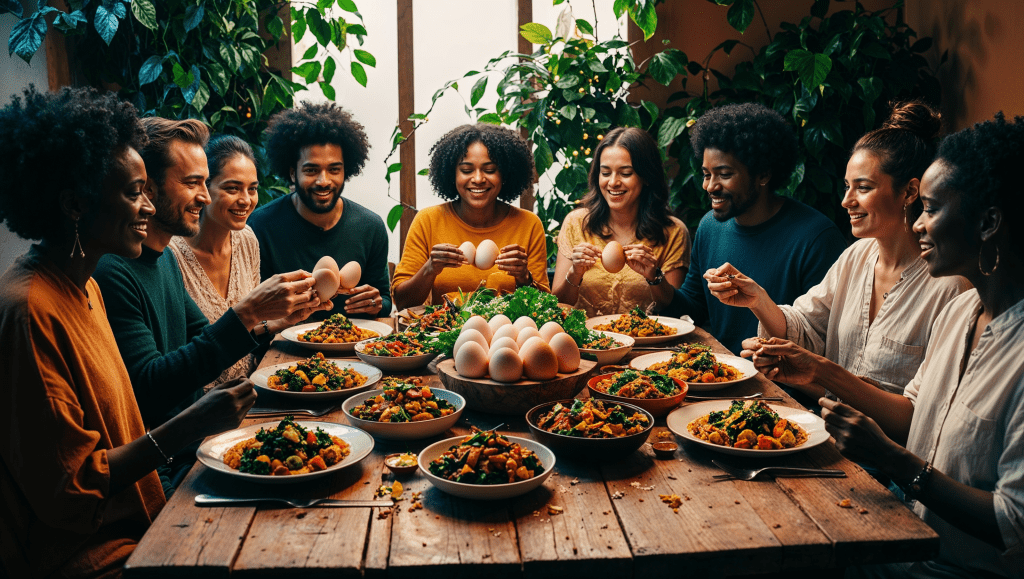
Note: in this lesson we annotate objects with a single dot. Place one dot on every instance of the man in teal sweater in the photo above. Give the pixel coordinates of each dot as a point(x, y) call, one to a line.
point(168, 346)
point(318, 147)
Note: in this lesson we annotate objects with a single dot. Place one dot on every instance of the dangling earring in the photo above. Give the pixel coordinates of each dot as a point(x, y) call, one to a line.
point(994, 267)
point(78, 243)
point(906, 218)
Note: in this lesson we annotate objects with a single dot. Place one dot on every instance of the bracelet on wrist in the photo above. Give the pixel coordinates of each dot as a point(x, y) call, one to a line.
point(167, 459)
point(577, 286)
point(912, 491)
point(658, 278)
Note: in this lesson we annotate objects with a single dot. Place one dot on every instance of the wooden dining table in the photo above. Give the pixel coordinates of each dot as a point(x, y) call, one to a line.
point(589, 519)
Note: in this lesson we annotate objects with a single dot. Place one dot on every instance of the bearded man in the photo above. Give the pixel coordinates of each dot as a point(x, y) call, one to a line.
point(318, 147)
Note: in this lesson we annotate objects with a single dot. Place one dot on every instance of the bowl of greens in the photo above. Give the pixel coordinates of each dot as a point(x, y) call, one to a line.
point(654, 392)
point(590, 429)
point(486, 465)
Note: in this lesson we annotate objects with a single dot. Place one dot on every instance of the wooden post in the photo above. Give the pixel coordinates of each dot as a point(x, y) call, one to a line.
point(58, 63)
point(526, 47)
point(406, 106)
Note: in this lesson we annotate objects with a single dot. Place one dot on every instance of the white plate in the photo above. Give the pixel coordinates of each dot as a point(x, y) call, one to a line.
point(814, 425)
point(612, 355)
point(292, 335)
point(682, 327)
point(373, 375)
point(392, 363)
point(487, 492)
point(745, 366)
point(211, 452)
point(405, 430)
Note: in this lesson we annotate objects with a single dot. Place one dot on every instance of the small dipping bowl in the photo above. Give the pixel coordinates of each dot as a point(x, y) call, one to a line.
point(664, 449)
point(399, 466)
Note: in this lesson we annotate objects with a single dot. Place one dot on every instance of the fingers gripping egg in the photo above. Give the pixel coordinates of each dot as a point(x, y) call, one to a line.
point(469, 335)
point(505, 365)
point(350, 275)
point(613, 257)
point(506, 331)
point(479, 324)
point(486, 253)
point(567, 352)
point(469, 251)
point(526, 334)
point(539, 360)
point(327, 262)
point(325, 283)
point(471, 360)
point(548, 330)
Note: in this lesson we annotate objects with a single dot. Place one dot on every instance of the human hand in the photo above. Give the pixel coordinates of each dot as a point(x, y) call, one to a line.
point(365, 299)
point(857, 436)
point(513, 260)
point(781, 360)
point(584, 256)
point(223, 407)
point(732, 288)
point(445, 255)
point(642, 260)
point(279, 296)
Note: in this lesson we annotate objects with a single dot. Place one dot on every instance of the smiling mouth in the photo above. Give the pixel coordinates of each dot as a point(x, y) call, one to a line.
point(718, 201)
point(239, 213)
point(616, 193)
point(477, 191)
point(140, 228)
point(857, 216)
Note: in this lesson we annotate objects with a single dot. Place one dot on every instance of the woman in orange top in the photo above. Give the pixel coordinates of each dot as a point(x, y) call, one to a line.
point(480, 169)
point(77, 466)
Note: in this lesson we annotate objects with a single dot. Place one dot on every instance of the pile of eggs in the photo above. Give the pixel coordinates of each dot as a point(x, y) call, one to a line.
point(509, 351)
point(328, 278)
point(483, 255)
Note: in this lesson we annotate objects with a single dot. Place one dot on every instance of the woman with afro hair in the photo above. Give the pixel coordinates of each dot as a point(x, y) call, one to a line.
point(77, 466)
point(480, 169)
point(954, 440)
point(627, 204)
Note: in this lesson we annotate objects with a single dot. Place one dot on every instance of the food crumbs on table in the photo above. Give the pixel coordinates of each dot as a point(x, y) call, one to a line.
point(618, 495)
point(575, 481)
point(301, 515)
point(862, 511)
point(605, 526)
point(670, 477)
point(384, 513)
point(553, 510)
point(845, 503)
point(737, 502)
point(574, 551)
point(664, 434)
point(673, 501)
point(209, 520)
point(641, 500)
point(777, 526)
point(536, 513)
point(396, 490)
point(424, 544)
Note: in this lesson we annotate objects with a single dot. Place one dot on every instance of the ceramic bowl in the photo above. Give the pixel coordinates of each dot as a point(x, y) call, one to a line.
point(573, 447)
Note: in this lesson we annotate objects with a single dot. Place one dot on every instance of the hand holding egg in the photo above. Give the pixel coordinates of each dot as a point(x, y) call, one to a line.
point(513, 260)
point(641, 259)
point(364, 299)
point(444, 255)
point(613, 258)
point(584, 256)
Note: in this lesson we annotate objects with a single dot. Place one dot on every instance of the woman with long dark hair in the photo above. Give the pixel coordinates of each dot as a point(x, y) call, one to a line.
point(627, 204)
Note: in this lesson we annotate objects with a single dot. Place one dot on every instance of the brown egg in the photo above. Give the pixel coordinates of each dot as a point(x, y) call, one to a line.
point(505, 365)
point(350, 274)
point(539, 360)
point(471, 360)
point(567, 352)
point(327, 262)
point(326, 283)
point(613, 257)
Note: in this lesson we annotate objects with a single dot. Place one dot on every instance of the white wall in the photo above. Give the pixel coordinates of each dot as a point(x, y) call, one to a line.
point(15, 75)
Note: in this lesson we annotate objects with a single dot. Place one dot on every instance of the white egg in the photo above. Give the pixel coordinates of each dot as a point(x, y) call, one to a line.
point(350, 274)
point(526, 334)
point(469, 335)
point(566, 351)
point(325, 283)
point(486, 253)
point(539, 360)
point(498, 321)
point(548, 330)
point(479, 324)
point(469, 250)
point(326, 262)
point(508, 330)
point(503, 342)
point(471, 361)
point(505, 365)
point(524, 322)
point(613, 258)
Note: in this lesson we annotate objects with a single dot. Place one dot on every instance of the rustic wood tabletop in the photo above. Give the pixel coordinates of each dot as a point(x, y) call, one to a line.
point(611, 523)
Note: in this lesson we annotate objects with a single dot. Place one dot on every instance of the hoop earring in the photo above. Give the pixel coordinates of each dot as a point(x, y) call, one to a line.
point(78, 243)
point(994, 267)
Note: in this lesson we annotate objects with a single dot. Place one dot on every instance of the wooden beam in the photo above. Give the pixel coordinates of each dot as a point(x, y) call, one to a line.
point(58, 64)
point(406, 106)
point(525, 9)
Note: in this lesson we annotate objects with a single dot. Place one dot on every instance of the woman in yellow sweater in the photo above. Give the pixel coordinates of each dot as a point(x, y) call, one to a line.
point(479, 169)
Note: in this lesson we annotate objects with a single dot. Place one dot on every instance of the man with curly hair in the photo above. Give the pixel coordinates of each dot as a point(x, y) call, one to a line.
point(318, 147)
point(748, 152)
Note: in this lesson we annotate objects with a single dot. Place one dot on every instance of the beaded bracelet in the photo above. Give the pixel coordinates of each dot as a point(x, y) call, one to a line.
point(570, 283)
point(168, 459)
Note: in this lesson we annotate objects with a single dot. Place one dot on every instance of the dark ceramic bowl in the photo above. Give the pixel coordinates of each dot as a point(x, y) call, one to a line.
point(593, 449)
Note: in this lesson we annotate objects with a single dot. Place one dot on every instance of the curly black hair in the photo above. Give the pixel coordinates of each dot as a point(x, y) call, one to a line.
point(77, 131)
point(315, 124)
point(756, 135)
point(505, 147)
point(653, 213)
point(983, 163)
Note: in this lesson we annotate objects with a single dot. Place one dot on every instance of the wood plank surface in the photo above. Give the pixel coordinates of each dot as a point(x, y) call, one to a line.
point(611, 520)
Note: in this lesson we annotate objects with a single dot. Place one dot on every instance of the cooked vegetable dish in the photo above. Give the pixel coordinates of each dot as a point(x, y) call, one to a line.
point(439, 318)
point(396, 346)
point(287, 449)
point(645, 384)
point(317, 374)
point(696, 363)
point(748, 424)
point(601, 342)
point(487, 458)
point(403, 400)
point(337, 329)
point(591, 419)
point(637, 324)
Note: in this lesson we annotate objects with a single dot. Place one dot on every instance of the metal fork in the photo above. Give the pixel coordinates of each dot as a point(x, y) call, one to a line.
point(786, 471)
point(276, 411)
point(754, 396)
point(209, 500)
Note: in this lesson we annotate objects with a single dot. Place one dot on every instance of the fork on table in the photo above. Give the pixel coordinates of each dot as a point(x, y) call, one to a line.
point(736, 473)
point(257, 412)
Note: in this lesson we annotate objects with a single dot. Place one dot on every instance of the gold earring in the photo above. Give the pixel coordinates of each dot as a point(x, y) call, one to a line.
point(906, 218)
point(994, 267)
point(78, 243)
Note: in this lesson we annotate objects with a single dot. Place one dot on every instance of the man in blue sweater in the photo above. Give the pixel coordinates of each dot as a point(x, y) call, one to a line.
point(748, 152)
point(318, 147)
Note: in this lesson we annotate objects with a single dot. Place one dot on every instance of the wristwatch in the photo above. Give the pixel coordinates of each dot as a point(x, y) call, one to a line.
point(658, 277)
point(913, 490)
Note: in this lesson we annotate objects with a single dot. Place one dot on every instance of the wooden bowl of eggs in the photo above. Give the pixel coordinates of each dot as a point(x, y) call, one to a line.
point(508, 368)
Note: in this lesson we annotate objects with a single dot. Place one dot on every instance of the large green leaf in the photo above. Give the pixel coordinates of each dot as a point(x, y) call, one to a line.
point(193, 16)
point(478, 90)
point(27, 35)
point(106, 21)
point(328, 90)
point(542, 156)
point(218, 77)
point(646, 18)
point(275, 26)
point(365, 57)
point(359, 73)
point(670, 129)
point(348, 6)
point(394, 216)
point(329, 67)
point(741, 14)
point(663, 68)
point(145, 13)
point(810, 68)
point(150, 70)
point(536, 33)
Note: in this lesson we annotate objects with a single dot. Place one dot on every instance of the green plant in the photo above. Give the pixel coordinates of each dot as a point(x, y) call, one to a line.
point(833, 76)
point(201, 59)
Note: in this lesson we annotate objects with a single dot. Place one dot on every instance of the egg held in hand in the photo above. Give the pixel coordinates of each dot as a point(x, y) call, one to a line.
point(327, 262)
point(613, 258)
point(350, 275)
point(486, 253)
point(325, 283)
point(468, 251)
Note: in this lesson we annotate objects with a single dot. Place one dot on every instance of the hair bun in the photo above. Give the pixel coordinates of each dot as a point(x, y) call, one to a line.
point(916, 117)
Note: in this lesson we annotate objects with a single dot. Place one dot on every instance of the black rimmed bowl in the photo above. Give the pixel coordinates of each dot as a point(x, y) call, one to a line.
point(590, 449)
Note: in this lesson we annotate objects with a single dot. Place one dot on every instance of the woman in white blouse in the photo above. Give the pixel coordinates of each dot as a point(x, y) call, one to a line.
point(872, 313)
point(962, 416)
